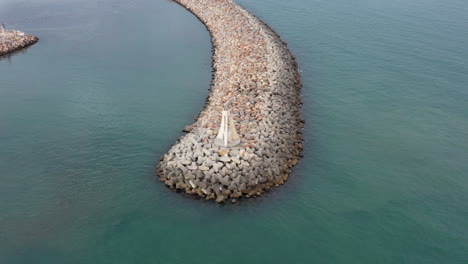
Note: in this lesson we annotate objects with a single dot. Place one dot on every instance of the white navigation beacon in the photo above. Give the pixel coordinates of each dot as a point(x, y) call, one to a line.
point(227, 135)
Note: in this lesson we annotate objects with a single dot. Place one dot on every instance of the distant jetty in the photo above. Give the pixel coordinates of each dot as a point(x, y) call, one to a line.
point(249, 134)
point(13, 40)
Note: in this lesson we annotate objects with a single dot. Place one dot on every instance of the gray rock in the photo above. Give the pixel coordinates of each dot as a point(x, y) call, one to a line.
point(236, 160)
point(225, 159)
point(186, 162)
point(207, 152)
point(203, 168)
point(217, 166)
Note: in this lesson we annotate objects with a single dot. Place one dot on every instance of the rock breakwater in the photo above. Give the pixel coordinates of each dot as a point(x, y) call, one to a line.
point(257, 78)
point(13, 40)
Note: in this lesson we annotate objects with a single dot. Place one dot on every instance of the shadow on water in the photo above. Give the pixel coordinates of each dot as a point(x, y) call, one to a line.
point(8, 57)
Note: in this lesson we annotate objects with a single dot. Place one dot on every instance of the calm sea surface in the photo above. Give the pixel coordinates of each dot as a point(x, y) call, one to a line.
point(86, 113)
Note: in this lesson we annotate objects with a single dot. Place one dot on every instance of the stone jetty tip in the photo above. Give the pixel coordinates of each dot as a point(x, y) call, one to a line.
point(256, 78)
point(13, 40)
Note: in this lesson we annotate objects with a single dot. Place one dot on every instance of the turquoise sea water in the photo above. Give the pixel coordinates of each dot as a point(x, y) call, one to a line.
point(86, 113)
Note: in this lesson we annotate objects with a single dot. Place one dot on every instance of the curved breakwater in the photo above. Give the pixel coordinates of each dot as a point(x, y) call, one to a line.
point(256, 77)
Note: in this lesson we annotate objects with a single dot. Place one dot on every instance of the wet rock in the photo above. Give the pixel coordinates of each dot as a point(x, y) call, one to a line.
point(220, 199)
point(187, 129)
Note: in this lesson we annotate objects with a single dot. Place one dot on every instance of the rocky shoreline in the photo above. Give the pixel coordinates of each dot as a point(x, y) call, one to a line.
point(257, 78)
point(13, 40)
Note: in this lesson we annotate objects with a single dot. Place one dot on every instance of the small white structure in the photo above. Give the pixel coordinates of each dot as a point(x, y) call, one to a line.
point(3, 30)
point(227, 135)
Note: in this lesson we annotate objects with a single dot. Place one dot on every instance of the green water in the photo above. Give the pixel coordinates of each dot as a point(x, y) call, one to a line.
point(86, 113)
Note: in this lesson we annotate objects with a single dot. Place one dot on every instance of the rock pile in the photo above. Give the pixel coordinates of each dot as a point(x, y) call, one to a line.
point(256, 77)
point(13, 40)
